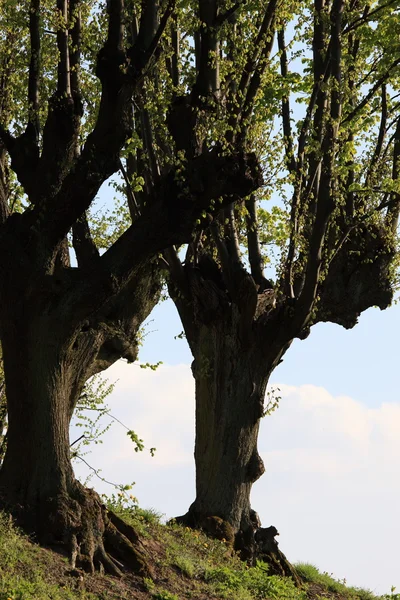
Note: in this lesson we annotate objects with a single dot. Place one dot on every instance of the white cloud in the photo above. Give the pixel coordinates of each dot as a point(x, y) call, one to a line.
point(331, 484)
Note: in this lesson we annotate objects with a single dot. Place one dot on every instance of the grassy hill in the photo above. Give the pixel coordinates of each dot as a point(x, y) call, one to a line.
point(187, 564)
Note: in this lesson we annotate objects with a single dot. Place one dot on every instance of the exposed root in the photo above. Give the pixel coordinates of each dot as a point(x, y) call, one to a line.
point(95, 539)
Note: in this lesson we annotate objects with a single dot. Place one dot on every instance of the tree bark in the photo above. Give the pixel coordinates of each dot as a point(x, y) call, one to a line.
point(230, 387)
point(50, 348)
point(44, 378)
point(231, 374)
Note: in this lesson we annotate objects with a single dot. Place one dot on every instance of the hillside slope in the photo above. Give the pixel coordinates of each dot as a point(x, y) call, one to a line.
point(187, 564)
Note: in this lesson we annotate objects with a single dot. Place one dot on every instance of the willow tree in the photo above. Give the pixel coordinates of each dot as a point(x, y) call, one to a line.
point(335, 172)
point(60, 324)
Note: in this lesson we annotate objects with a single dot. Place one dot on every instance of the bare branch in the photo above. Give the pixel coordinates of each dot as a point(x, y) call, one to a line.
point(75, 52)
point(34, 70)
point(84, 246)
point(255, 257)
point(132, 202)
point(287, 128)
point(326, 202)
point(392, 216)
point(63, 83)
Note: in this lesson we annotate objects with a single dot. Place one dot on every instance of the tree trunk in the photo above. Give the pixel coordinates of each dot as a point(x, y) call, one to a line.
point(44, 378)
point(235, 351)
point(52, 343)
point(230, 388)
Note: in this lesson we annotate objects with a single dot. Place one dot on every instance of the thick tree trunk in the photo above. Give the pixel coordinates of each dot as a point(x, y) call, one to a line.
point(230, 388)
point(44, 378)
point(52, 342)
point(235, 351)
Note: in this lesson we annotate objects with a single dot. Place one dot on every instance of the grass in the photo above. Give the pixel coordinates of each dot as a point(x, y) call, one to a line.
point(23, 575)
point(188, 565)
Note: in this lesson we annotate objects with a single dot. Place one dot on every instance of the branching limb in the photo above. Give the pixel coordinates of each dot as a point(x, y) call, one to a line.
point(377, 85)
point(231, 236)
point(252, 75)
point(255, 257)
point(63, 81)
point(326, 196)
point(100, 156)
point(367, 16)
point(84, 246)
point(34, 70)
point(75, 53)
point(177, 271)
point(287, 128)
point(392, 216)
point(315, 114)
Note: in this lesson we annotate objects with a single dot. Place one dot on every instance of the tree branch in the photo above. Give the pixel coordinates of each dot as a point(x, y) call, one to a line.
point(392, 216)
point(75, 53)
point(287, 128)
point(159, 226)
point(367, 16)
point(4, 188)
point(326, 201)
point(230, 234)
point(230, 12)
point(100, 156)
point(34, 70)
point(381, 138)
point(377, 85)
point(134, 209)
point(84, 246)
point(177, 271)
point(255, 257)
point(207, 81)
point(63, 81)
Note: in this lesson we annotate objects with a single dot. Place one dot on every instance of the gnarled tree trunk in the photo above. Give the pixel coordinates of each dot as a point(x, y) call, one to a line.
point(233, 361)
point(49, 352)
point(230, 387)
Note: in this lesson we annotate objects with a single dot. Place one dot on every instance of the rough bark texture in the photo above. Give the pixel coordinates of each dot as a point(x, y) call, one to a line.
point(49, 351)
point(231, 376)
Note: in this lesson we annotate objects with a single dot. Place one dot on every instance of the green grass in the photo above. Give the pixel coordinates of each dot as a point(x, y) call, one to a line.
point(311, 574)
point(23, 575)
point(188, 565)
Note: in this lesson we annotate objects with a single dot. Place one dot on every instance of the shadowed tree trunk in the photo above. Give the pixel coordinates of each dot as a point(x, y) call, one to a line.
point(231, 369)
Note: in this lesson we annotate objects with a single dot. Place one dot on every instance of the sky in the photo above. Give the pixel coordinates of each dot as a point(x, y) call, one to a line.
point(331, 450)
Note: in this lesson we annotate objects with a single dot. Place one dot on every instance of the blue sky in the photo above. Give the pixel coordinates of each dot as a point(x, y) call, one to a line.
point(362, 362)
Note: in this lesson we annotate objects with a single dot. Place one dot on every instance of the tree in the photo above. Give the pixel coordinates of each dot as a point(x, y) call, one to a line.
point(339, 168)
point(60, 324)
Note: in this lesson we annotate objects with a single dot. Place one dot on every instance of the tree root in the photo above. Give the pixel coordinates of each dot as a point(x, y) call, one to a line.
point(94, 538)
